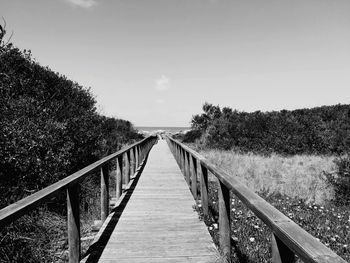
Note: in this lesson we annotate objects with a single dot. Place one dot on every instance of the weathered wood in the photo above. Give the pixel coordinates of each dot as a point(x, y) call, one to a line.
point(194, 177)
point(182, 160)
point(21, 207)
point(127, 167)
point(280, 252)
point(137, 160)
point(132, 162)
point(159, 222)
point(73, 223)
point(104, 193)
point(187, 168)
point(119, 175)
point(203, 176)
point(224, 220)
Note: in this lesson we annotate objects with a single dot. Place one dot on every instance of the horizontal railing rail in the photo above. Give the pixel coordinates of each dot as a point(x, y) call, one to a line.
point(127, 161)
point(288, 238)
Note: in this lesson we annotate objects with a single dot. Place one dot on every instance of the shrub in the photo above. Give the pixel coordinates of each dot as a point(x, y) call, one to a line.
point(191, 136)
point(340, 180)
point(321, 130)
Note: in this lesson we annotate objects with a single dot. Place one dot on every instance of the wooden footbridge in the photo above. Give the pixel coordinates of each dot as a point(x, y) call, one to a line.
point(152, 217)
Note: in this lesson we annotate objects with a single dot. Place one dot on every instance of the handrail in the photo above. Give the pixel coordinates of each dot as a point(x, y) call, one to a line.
point(288, 238)
point(133, 156)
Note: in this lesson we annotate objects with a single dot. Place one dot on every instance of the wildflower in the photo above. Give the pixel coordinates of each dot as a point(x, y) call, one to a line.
point(251, 239)
point(234, 238)
point(215, 226)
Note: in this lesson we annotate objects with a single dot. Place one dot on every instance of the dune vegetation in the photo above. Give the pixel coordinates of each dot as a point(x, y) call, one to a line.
point(296, 160)
point(49, 128)
point(298, 176)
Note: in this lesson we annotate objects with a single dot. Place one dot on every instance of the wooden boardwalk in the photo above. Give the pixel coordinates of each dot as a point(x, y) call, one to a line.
point(158, 223)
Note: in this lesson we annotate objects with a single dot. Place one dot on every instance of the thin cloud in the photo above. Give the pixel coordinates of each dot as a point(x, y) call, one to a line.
point(82, 3)
point(160, 101)
point(163, 83)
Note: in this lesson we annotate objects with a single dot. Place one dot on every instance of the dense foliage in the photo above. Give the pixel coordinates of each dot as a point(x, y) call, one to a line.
point(320, 130)
point(49, 126)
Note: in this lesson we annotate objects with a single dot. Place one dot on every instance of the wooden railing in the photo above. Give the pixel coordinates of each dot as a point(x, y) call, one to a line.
point(127, 161)
point(288, 238)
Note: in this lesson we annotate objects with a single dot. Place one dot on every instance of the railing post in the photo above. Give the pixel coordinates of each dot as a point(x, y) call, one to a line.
point(137, 157)
point(203, 177)
point(183, 161)
point(73, 218)
point(132, 163)
point(187, 168)
point(280, 252)
point(194, 176)
point(104, 193)
point(119, 171)
point(127, 168)
point(224, 221)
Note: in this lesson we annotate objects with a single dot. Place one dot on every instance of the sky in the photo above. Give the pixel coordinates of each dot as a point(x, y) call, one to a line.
point(155, 62)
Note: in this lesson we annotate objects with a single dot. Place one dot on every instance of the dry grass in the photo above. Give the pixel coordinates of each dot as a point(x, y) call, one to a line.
point(300, 176)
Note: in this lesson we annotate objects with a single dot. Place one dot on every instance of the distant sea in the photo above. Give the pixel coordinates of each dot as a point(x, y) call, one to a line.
point(166, 129)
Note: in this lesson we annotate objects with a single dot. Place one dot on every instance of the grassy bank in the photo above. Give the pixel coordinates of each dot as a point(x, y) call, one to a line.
point(299, 176)
point(294, 185)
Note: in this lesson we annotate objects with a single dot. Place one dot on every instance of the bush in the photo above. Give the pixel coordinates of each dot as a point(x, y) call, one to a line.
point(191, 136)
point(340, 180)
point(49, 126)
point(321, 130)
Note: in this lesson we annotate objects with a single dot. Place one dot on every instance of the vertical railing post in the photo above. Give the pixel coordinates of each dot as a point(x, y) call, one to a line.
point(224, 220)
point(203, 177)
point(119, 175)
point(183, 161)
point(179, 158)
point(193, 176)
point(187, 168)
point(137, 161)
point(142, 152)
point(127, 168)
point(132, 162)
point(104, 193)
point(73, 218)
point(280, 252)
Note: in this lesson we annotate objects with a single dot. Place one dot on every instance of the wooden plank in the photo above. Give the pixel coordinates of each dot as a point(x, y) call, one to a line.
point(73, 222)
point(104, 193)
point(159, 223)
point(224, 221)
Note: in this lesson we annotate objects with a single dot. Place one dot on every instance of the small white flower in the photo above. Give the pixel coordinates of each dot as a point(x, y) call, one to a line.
point(251, 239)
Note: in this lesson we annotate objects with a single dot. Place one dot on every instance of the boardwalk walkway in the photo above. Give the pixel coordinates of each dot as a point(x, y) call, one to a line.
point(159, 223)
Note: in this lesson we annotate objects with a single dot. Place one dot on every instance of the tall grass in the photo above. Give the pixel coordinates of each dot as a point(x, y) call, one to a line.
point(299, 176)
